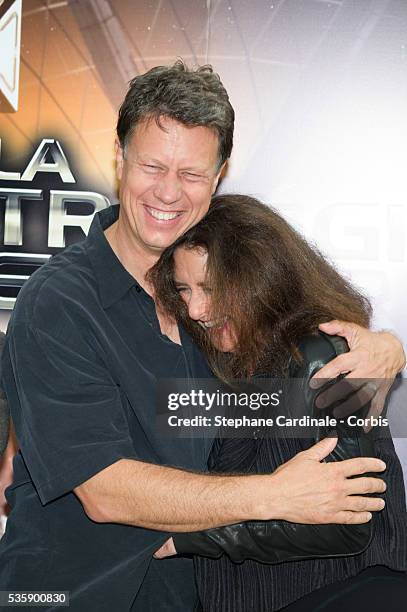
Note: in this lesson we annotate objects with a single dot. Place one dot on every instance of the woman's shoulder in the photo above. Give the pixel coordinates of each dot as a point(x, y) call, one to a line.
point(315, 351)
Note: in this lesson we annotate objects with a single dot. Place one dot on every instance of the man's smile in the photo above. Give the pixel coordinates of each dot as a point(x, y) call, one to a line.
point(161, 215)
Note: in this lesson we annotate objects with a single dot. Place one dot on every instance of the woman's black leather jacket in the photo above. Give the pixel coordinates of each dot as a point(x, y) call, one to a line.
point(275, 541)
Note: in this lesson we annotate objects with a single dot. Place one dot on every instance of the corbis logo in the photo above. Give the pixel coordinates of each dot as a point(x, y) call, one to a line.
point(40, 217)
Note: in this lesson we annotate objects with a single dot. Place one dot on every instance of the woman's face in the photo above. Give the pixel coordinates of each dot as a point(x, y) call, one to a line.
point(194, 288)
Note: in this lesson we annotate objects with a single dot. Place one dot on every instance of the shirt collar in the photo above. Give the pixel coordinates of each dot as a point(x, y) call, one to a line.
point(112, 277)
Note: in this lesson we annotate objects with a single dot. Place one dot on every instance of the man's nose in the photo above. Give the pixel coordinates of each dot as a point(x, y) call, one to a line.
point(168, 188)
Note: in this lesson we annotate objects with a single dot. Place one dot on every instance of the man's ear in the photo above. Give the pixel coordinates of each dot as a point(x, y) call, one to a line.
point(217, 177)
point(119, 153)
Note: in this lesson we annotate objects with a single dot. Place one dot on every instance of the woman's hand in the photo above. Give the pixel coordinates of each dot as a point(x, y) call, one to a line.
point(166, 550)
point(374, 360)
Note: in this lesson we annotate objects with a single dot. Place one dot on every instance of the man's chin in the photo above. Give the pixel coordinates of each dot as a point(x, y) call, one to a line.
point(159, 243)
point(159, 246)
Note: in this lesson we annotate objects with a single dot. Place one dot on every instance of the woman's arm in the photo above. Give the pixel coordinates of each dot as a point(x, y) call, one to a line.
point(276, 541)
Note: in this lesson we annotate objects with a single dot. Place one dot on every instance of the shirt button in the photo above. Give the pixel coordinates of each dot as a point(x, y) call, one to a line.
point(138, 289)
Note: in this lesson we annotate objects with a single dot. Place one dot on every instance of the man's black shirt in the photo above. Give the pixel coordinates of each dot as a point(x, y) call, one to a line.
point(83, 354)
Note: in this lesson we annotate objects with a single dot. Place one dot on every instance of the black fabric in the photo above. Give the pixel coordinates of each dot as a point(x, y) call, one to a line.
point(4, 411)
point(375, 589)
point(225, 586)
point(83, 354)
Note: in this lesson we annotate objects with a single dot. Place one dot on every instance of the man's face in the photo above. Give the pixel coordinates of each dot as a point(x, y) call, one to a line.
point(167, 177)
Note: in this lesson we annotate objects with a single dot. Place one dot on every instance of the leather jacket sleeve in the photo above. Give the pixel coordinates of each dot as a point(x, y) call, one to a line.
point(276, 541)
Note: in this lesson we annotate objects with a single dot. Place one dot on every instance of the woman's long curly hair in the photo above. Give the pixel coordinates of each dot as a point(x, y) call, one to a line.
point(273, 285)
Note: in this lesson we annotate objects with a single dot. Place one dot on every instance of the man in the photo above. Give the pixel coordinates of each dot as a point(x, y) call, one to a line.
point(96, 491)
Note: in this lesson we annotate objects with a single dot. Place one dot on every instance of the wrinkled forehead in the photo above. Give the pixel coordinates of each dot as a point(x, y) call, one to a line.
point(161, 136)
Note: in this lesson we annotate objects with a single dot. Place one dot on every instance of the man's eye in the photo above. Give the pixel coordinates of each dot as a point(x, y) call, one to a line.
point(151, 168)
point(181, 289)
point(192, 177)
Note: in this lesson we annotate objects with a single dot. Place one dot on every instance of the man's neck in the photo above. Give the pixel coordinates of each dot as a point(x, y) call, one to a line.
point(137, 262)
point(130, 253)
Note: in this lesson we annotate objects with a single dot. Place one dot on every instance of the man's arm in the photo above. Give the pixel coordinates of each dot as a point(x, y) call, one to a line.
point(372, 354)
point(303, 490)
point(88, 448)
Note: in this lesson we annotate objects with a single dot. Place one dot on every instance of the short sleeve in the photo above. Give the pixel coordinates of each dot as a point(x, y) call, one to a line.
point(68, 413)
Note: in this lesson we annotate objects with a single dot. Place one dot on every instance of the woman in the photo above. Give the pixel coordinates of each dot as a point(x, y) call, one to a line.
point(251, 291)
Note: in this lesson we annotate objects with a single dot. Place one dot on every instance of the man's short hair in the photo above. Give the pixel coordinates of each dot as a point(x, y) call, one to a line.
point(192, 97)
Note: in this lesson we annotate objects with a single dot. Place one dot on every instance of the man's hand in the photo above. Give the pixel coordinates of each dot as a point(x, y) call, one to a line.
point(371, 365)
point(308, 491)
